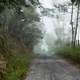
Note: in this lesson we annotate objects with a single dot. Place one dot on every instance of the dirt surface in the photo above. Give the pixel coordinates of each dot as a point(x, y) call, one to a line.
point(46, 68)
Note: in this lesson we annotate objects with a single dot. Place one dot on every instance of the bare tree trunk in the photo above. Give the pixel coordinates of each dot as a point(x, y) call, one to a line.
point(78, 42)
point(77, 20)
point(78, 38)
point(72, 26)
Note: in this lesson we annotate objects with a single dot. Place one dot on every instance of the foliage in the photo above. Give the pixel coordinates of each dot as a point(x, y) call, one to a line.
point(10, 4)
point(28, 30)
point(18, 65)
point(72, 53)
point(72, 1)
point(18, 27)
point(17, 59)
point(20, 23)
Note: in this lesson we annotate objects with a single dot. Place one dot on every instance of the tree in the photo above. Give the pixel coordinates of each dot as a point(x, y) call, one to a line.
point(73, 1)
point(11, 3)
point(74, 31)
point(23, 26)
point(77, 19)
point(19, 22)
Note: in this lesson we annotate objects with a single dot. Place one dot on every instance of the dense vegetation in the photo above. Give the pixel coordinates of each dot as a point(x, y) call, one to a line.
point(19, 32)
point(73, 54)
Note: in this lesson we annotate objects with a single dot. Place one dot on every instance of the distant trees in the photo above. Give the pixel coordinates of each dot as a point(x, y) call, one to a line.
point(73, 1)
point(16, 3)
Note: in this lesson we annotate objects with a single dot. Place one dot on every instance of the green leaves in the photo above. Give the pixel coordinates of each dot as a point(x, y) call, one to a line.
point(73, 1)
point(20, 21)
point(10, 4)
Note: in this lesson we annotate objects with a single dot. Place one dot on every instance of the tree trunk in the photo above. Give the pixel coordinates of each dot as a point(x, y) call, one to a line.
point(72, 26)
point(77, 20)
point(78, 42)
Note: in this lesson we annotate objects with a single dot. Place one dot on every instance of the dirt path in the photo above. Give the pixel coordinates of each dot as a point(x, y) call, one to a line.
point(52, 69)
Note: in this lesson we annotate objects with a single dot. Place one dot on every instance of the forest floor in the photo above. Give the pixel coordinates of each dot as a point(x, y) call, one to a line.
point(52, 68)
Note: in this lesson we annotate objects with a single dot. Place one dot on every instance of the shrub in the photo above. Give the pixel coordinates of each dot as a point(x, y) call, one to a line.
point(18, 65)
point(72, 53)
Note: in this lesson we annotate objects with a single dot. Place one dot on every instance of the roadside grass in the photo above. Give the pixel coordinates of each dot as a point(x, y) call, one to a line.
point(17, 66)
point(70, 53)
point(16, 57)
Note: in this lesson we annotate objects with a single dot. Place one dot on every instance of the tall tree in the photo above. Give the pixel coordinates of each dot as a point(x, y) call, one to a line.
point(77, 19)
point(20, 22)
point(73, 1)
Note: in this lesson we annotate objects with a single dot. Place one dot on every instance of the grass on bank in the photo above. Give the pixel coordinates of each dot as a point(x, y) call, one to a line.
point(70, 53)
point(17, 64)
point(16, 57)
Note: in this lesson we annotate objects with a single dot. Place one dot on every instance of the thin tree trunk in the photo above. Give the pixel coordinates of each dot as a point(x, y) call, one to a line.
point(78, 39)
point(72, 26)
point(77, 20)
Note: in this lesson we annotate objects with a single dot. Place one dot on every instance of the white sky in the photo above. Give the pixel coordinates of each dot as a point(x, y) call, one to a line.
point(51, 22)
point(48, 23)
point(49, 3)
point(46, 3)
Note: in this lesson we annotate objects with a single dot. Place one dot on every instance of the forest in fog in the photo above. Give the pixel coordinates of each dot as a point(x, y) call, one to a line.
point(44, 27)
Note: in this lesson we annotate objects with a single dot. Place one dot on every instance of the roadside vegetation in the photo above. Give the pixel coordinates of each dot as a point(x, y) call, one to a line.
point(71, 53)
point(14, 61)
point(69, 44)
point(19, 33)
point(18, 66)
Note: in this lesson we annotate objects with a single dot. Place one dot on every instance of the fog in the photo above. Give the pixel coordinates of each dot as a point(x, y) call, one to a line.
point(53, 19)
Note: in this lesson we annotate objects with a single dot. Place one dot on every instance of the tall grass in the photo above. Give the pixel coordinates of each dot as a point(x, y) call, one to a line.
point(17, 61)
point(72, 53)
point(18, 65)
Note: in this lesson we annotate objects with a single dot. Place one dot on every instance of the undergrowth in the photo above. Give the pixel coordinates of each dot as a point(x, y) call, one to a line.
point(18, 65)
point(72, 53)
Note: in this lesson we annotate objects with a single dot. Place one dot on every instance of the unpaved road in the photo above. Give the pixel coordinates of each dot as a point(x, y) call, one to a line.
point(52, 69)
